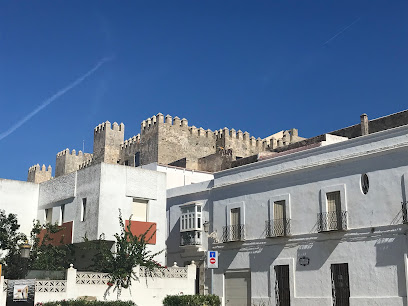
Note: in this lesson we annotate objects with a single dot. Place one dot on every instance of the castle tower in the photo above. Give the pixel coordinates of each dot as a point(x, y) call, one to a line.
point(38, 174)
point(107, 142)
point(67, 162)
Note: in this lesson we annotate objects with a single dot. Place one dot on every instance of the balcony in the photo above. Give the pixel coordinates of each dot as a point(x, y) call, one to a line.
point(233, 233)
point(277, 228)
point(332, 221)
point(192, 238)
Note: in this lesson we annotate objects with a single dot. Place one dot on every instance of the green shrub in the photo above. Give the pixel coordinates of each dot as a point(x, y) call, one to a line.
point(192, 300)
point(86, 303)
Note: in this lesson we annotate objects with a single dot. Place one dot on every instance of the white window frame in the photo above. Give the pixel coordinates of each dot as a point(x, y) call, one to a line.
point(292, 266)
point(196, 215)
point(323, 197)
point(283, 197)
point(229, 207)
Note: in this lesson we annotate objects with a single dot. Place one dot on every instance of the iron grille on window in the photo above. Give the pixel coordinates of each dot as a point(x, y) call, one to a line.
point(404, 212)
point(190, 238)
point(332, 221)
point(277, 227)
point(233, 233)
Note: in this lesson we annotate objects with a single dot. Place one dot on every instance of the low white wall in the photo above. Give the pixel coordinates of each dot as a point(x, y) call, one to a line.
point(149, 290)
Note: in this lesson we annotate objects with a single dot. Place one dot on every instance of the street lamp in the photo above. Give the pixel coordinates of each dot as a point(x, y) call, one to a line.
point(25, 250)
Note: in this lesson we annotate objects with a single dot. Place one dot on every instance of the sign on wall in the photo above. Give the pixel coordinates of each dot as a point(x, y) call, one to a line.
point(20, 292)
point(212, 259)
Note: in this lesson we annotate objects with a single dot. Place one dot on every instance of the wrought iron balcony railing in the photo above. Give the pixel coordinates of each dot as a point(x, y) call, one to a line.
point(233, 233)
point(404, 212)
point(190, 238)
point(277, 227)
point(332, 221)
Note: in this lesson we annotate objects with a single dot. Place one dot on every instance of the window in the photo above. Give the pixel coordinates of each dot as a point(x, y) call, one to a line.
point(190, 224)
point(278, 222)
point(62, 213)
point(83, 210)
point(364, 183)
point(139, 210)
point(126, 163)
point(190, 218)
point(48, 215)
point(137, 159)
point(333, 209)
point(235, 227)
point(278, 225)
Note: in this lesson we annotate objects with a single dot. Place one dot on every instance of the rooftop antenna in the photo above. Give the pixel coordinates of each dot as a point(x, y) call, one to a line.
point(83, 146)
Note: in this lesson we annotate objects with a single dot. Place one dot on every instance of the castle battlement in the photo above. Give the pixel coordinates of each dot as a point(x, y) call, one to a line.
point(164, 139)
point(85, 164)
point(38, 168)
point(108, 126)
point(39, 174)
point(67, 152)
point(135, 140)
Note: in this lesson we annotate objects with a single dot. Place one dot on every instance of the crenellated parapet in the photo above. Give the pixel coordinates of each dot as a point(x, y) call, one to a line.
point(107, 141)
point(85, 164)
point(282, 139)
point(107, 126)
point(38, 174)
point(67, 152)
point(68, 161)
point(133, 141)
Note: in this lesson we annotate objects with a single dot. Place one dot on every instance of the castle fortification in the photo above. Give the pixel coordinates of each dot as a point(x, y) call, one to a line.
point(38, 174)
point(167, 140)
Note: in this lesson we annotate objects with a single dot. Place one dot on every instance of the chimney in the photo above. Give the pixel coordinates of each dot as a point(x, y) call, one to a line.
point(364, 124)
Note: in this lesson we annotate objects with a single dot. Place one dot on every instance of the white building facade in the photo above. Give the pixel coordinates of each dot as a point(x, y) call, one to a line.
point(324, 226)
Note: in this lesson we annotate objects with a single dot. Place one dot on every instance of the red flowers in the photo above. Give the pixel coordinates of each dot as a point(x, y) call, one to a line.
point(109, 284)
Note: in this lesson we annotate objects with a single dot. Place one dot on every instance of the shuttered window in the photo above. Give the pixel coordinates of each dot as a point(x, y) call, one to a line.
point(235, 216)
point(333, 202)
point(139, 210)
point(279, 210)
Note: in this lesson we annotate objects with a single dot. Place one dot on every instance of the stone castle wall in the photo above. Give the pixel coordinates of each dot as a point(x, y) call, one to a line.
point(168, 140)
point(38, 174)
point(67, 162)
point(107, 142)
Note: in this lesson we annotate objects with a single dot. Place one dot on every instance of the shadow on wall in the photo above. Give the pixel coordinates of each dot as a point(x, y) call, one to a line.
point(390, 251)
point(263, 259)
point(316, 253)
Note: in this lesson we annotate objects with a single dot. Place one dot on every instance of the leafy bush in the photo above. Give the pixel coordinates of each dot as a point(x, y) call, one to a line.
point(87, 303)
point(192, 300)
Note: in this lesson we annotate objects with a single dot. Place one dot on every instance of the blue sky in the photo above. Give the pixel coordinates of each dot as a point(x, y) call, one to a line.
point(258, 66)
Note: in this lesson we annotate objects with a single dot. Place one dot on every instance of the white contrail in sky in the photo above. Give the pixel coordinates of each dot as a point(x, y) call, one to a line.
point(54, 97)
point(341, 31)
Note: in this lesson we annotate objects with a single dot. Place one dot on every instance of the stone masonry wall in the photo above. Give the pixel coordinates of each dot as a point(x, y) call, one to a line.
point(107, 142)
point(67, 162)
point(38, 174)
point(177, 140)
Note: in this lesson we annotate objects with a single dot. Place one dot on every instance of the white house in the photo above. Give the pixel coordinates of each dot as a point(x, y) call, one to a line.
point(323, 226)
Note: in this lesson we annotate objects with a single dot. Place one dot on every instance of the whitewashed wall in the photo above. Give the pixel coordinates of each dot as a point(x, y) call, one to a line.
point(106, 188)
point(147, 291)
point(176, 177)
point(374, 246)
point(20, 198)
